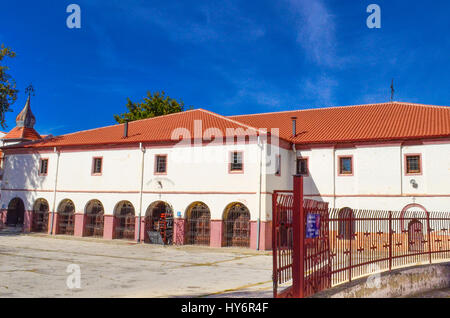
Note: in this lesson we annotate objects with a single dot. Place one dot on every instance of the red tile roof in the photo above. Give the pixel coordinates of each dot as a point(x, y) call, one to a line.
point(157, 129)
point(373, 122)
point(22, 133)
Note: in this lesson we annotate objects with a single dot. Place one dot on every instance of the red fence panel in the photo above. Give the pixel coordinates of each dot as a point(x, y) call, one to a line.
point(347, 243)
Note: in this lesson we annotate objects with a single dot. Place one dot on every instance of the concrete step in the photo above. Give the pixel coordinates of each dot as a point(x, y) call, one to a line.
point(11, 230)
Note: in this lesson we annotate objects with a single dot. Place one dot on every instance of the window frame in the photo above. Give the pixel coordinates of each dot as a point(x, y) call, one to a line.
point(155, 170)
point(93, 173)
point(307, 166)
point(231, 157)
point(340, 173)
point(419, 173)
point(40, 166)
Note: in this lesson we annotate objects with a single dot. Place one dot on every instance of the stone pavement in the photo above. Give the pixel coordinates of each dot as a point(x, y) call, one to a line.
point(36, 266)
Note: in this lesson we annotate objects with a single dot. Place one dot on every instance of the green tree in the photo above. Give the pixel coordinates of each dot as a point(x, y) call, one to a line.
point(8, 91)
point(156, 104)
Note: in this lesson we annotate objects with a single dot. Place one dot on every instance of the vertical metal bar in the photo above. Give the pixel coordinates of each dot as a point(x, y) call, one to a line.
point(274, 243)
point(298, 264)
point(390, 240)
point(350, 248)
point(429, 236)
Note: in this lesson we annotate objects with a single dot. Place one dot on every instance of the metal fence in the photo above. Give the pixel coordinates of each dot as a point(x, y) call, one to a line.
point(349, 244)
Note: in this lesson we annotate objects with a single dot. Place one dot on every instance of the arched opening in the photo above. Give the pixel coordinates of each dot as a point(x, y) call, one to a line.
point(125, 221)
point(94, 219)
point(159, 223)
point(198, 224)
point(415, 236)
point(236, 226)
point(66, 217)
point(40, 216)
point(346, 224)
point(16, 212)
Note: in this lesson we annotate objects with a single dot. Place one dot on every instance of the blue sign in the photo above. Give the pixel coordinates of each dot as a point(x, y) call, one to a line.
point(312, 225)
point(179, 214)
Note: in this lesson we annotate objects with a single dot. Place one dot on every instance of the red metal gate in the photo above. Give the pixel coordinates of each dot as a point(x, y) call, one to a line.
point(297, 258)
point(315, 248)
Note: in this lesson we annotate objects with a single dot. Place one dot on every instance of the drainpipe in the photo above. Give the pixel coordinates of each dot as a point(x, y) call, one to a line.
point(142, 149)
point(54, 190)
point(401, 169)
point(334, 177)
point(258, 233)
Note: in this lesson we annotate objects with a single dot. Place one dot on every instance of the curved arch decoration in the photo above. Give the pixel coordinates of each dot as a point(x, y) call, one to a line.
point(40, 216)
point(236, 225)
point(158, 223)
point(66, 217)
point(198, 224)
point(124, 214)
point(94, 218)
point(16, 212)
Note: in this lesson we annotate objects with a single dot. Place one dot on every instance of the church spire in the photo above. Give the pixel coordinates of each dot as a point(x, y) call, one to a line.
point(26, 118)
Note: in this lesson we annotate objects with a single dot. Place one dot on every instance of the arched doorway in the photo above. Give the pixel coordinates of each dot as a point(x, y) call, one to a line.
point(94, 219)
point(125, 221)
point(66, 217)
point(415, 236)
point(346, 224)
point(40, 216)
point(159, 223)
point(16, 212)
point(198, 224)
point(236, 225)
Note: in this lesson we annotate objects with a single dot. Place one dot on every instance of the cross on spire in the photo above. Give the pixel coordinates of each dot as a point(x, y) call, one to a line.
point(29, 90)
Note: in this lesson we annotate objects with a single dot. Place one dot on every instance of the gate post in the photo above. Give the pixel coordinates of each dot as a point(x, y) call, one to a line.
point(298, 244)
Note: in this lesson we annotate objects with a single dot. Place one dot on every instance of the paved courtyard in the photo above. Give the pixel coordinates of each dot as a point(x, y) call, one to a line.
point(36, 266)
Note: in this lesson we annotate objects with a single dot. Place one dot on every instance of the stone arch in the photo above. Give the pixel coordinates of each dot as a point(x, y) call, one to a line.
point(236, 225)
point(159, 219)
point(124, 214)
point(66, 217)
point(40, 216)
point(405, 214)
point(198, 224)
point(94, 212)
point(16, 212)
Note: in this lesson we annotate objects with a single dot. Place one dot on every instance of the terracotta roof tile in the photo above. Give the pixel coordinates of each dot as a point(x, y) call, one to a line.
point(158, 129)
point(22, 133)
point(387, 121)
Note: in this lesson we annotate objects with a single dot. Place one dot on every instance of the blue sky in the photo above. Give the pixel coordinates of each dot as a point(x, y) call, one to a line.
point(230, 57)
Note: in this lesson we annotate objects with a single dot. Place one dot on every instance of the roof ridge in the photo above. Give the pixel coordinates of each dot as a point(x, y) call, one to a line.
point(337, 107)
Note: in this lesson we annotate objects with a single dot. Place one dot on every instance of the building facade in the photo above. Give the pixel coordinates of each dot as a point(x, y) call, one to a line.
point(201, 178)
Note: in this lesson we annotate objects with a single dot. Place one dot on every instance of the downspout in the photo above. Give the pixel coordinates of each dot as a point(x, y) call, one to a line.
point(258, 232)
point(142, 149)
point(54, 190)
point(334, 177)
point(401, 169)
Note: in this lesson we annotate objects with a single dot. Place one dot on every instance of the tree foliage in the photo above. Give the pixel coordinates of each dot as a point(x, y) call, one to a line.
point(156, 104)
point(8, 91)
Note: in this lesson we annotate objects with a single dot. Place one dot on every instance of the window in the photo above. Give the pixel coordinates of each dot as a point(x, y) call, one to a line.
point(413, 164)
point(97, 166)
point(160, 164)
point(346, 166)
point(43, 167)
point(302, 166)
point(278, 165)
point(236, 164)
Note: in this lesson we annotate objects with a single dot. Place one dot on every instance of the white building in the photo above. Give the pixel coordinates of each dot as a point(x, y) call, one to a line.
point(197, 177)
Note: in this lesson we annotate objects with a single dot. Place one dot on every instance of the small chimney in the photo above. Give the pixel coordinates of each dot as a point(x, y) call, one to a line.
point(294, 126)
point(125, 130)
